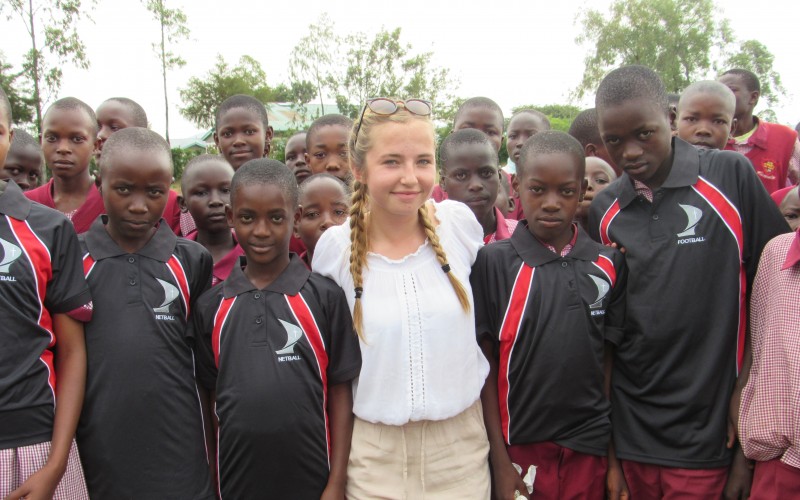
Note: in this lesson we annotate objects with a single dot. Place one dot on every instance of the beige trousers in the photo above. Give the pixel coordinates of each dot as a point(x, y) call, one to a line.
point(445, 459)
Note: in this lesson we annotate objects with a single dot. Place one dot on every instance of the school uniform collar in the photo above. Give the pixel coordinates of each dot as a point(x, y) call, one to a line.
point(793, 255)
point(684, 172)
point(535, 254)
point(289, 282)
point(101, 246)
point(13, 202)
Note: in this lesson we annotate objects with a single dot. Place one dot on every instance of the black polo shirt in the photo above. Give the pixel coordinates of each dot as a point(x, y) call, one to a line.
point(40, 275)
point(141, 431)
point(692, 255)
point(271, 355)
point(550, 317)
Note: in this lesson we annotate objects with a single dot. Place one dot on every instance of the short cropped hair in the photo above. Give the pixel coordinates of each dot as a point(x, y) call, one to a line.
point(247, 102)
point(748, 77)
point(631, 82)
point(549, 142)
point(201, 159)
point(5, 107)
point(479, 102)
point(584, 128)
point(305, 186)
point(463, 136)
point(137, 139)
point(72, 103)
point(535, 112)
point(265, 171)
point(22, 140)
point(712, 87)
point(327, 121)
point(138, 113)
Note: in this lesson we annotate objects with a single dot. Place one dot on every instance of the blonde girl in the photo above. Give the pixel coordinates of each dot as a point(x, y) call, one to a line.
point(404, 263)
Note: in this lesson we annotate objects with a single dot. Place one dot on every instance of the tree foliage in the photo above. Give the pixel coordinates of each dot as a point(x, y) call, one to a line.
point(313, 58)
point(173, 25)
point(202, 96)
point(682, 40)
point(53, 41)
point(560, 115)
point(386, 66)
point(23, 107)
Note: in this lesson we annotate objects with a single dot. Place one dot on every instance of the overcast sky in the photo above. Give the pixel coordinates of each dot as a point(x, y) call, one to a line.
point(516, 52)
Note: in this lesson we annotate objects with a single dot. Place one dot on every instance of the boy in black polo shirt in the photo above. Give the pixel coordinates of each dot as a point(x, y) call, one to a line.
point(547, 301)
point(141, 433)
point(693, 224)
point(278, 353)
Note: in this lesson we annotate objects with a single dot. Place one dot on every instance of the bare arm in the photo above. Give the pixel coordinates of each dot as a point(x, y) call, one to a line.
point(340, 414)
point(70, 367)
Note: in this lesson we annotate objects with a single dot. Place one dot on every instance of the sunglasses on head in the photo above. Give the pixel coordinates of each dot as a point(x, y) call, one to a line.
point(385, 107)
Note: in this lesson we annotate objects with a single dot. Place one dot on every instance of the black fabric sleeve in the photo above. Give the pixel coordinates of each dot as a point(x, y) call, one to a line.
point(344, 351)
point(200, 330)
point(67, 289)
point(486, 307)
point(616, 310)
point(201, 274)
point(596, 210)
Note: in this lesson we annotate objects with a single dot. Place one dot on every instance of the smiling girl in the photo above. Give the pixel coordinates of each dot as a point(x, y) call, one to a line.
point(404, 263)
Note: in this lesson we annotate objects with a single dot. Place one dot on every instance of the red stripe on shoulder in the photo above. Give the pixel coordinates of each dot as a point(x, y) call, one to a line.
point(88, 264)
point(606, 220)
point(607, 266)
point(509, 332)
point(219, 322)
point(305, 317)
point(183, 282)
point(724, 208)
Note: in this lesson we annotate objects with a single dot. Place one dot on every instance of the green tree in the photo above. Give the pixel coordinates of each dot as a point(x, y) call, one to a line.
point(202, 96)
point(560, 115)
point(385, 66)
point(172, 23)
point(53, 40)
point(23, 107)
point(313, 57)
point(673, 37)
point(754, 56)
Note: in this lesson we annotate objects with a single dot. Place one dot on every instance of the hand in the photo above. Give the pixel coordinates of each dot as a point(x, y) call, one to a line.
point(333, 492)
point(39, 486)
point(616, 486)
point(618, 247)
point(506, 481)
point(740, 477)
point(733, 419)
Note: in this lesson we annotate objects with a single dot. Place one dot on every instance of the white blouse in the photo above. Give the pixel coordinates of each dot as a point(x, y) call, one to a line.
point(420, 357)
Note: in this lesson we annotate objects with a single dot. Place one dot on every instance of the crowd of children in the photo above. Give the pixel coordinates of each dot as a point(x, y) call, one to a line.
point(612, 314)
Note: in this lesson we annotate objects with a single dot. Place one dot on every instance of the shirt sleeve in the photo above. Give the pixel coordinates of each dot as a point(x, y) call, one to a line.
point(200, 330)
point(344, 351)
point(201, 277)
point(331, 252)
point(616, 310)
point(67, 290)
point(486, 307)
point(468, 232)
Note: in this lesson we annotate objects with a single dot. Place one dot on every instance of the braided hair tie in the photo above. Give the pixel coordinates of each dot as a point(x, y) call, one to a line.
point(359, 291)
point(446, 268)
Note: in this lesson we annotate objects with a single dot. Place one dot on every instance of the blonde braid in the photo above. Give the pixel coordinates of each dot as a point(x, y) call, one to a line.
point(433, 238)
point(358, 250)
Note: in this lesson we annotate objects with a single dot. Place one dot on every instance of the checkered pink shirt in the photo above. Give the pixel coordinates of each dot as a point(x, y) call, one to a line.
point(769, 423)
point(568, 247)
point(642, 190)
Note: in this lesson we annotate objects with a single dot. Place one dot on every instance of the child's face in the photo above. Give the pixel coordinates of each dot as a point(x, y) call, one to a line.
point(327, 151)
point(638, 138)
point(24, 166)
point(471, 177)
point(296, 157)
point(241, 137)
point(790, 208)
point(400, 168)
point(599, 175)
point(746, 99)
point(520, 129)
point(487, 120)
point(207, 189)
point(550, 187)
point(504, 202)
point(262, 217)
point(135, 187)
point(322, 205)
point(111, 117)
point(705, 120)
point(68, 141)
